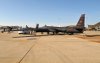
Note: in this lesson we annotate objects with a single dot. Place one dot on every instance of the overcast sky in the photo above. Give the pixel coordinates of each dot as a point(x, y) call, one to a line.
point(50, 12)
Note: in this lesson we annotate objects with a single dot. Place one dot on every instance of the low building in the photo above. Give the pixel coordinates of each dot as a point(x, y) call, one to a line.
point(95, 27)
point(91, 27)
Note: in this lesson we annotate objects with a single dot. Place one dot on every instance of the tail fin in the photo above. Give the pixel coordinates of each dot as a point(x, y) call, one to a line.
point(81, 21)
point(37, 26)
point(26, 26)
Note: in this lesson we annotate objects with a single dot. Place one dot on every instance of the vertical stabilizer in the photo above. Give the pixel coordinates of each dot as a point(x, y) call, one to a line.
point(37, 26)
point(26, 26)
point(81, 22)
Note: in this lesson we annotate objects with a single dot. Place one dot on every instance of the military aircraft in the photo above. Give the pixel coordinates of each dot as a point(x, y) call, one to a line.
point(79, 28)
point(8, 28)
point(26, 30)
point(45, 28)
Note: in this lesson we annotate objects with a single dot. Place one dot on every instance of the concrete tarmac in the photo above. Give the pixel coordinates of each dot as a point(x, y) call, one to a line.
point(50, 49)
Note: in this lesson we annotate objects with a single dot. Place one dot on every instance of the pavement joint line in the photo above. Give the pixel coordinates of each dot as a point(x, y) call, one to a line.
point(28, 51)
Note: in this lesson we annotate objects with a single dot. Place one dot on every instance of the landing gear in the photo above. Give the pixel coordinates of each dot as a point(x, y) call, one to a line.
point(70, 33)
point(53, 33)
point(48, 33)
point(41, 32)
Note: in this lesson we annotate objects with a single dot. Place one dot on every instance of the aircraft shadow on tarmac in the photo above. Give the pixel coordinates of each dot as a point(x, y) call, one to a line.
point(36, 36)
point(91, 35)
point(22, 36)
